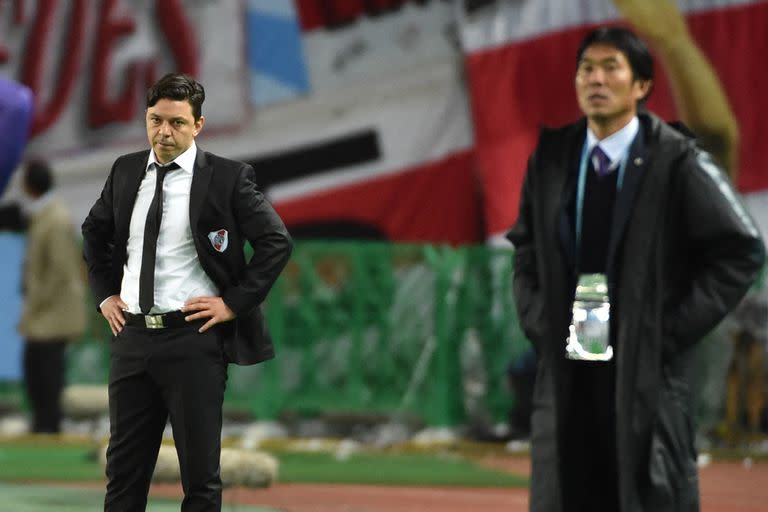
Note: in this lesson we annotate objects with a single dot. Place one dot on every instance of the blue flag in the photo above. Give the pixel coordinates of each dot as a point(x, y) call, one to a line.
point(15, 119)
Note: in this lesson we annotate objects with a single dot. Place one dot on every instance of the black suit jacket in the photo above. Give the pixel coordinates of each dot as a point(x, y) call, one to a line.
point(223, 196)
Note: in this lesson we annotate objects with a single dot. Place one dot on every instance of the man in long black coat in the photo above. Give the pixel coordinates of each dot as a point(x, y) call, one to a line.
point(658, 217)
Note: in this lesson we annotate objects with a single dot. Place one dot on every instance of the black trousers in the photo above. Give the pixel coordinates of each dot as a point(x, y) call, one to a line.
point(589, 477)
point(44, 377)
point(156, 374)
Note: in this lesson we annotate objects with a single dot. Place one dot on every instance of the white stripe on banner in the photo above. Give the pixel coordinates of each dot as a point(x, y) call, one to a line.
point(414, 128)
point(509, 21)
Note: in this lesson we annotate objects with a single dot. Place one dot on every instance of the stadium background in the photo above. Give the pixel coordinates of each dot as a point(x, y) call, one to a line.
point(400, 126)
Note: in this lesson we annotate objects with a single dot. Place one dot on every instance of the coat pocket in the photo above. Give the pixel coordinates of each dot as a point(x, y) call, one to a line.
point(674, 481)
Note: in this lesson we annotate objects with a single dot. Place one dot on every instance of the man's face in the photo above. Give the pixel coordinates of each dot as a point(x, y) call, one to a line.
point(605, 87)
point(171, 128)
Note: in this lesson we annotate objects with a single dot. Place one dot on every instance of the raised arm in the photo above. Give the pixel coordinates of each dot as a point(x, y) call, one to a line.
point(699, 96)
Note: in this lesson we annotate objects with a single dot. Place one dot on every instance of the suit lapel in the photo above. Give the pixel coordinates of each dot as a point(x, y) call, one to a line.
point(637, 163)
point(133, 173)
point(201, 179)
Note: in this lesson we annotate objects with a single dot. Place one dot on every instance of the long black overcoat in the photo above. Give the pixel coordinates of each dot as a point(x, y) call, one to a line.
point(682, 253)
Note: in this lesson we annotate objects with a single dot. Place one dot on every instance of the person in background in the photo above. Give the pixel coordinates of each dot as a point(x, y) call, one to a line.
point(650, 228)
point(745, 379)
point(164, 245)
point(53, 311)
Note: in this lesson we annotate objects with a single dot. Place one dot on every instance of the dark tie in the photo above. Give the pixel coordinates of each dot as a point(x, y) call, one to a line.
point(151, 231)
point(603, 162)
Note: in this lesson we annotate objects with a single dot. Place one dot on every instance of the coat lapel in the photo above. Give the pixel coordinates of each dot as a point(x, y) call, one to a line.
point(201, 179)
point(566, 180)
point(637, 163)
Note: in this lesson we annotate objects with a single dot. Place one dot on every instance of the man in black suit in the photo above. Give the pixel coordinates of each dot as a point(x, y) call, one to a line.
point(164, 248)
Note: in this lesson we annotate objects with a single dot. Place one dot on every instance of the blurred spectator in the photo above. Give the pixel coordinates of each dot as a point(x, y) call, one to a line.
point(745, 391)
point(54, 296)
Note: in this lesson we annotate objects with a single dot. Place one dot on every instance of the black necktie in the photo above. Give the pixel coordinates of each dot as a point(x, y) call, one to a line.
point(151, 231)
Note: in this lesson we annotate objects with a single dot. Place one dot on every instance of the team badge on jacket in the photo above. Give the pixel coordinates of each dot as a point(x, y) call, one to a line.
point(219, 239)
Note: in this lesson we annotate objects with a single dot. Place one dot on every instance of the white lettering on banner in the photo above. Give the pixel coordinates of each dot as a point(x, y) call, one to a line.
point(368, 49)
point(89, 62)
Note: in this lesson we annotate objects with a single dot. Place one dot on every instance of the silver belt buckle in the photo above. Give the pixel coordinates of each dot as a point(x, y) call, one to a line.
point(154, 321)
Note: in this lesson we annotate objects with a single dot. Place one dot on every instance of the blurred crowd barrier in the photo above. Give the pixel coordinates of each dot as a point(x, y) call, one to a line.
point(414, 331)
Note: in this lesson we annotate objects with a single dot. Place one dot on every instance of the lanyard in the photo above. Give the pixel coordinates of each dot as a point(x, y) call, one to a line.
point(580, 191)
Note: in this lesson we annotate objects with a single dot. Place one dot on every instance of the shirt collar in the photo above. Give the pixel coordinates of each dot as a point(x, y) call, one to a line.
point(186, 160)
point(617, 144)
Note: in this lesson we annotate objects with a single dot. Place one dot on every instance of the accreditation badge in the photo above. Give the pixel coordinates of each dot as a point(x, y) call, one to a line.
point(588, 338)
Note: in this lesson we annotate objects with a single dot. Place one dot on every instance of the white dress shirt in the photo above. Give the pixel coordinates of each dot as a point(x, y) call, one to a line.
point(178, 273)
point(616, 145)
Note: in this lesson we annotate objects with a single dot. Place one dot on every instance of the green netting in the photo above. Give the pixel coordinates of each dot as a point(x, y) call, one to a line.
point(418, 330)
point(401, 330)
point(373, 327)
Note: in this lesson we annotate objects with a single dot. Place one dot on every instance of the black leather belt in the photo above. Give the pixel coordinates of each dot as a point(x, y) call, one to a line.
point(170, 320)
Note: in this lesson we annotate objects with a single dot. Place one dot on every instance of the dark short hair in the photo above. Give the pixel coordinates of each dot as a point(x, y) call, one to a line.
point(38, 176)
point(179, 87)
point(627, 42)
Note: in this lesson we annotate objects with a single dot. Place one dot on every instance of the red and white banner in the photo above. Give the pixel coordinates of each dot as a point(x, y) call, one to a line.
point(417, 120)
point(392, 67)
point(89, 63)
point(521, 57)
